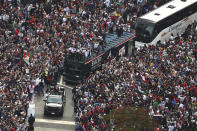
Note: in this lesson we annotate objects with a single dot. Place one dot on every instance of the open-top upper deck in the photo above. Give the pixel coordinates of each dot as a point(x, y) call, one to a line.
point(112, 40)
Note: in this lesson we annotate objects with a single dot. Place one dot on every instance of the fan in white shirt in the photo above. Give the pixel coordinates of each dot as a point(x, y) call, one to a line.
point(171, 128)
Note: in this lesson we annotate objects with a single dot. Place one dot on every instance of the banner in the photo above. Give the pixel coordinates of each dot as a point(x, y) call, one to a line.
point(26, 58)
point(122, 51)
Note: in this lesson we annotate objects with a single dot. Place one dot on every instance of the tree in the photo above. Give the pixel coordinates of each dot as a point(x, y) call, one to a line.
point(130, 119)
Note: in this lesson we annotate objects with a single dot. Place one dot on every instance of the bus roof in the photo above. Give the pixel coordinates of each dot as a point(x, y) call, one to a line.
point(167, 10)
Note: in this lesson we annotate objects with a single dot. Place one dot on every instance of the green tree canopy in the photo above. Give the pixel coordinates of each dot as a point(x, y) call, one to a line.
point(130, 119)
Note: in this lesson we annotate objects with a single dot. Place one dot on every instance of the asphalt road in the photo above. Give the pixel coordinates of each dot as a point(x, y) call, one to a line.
point(53, 123)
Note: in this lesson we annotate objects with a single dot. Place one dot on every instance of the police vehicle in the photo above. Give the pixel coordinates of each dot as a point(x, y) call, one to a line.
point(55, 101)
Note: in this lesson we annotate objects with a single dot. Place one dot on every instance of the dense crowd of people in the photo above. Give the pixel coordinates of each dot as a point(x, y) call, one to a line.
point(34, 38)
point(28, 56)
point(161, 78)
point(80, 25)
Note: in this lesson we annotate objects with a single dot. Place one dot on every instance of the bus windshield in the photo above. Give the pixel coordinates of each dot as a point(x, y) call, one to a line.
point(144, 31)
point(75, 57)
point(72, 71)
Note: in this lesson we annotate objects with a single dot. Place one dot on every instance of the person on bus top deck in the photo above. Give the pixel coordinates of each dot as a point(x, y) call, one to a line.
point(172, 37)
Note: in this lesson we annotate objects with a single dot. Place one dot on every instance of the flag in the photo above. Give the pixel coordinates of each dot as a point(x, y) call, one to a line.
point(26, 58)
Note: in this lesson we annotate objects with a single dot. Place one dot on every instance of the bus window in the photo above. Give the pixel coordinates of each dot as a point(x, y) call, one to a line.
point(75, 68)
point(144, 31)
point(77, 57)
point(155, 32)
point(74, 72)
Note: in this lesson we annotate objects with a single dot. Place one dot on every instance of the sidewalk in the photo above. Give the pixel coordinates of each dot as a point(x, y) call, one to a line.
point(49, 129)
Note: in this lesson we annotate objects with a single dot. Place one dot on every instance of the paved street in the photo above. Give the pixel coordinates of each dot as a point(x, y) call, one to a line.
point(53, 123)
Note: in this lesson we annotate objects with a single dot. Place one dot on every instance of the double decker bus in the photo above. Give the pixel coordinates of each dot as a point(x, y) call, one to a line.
point(159, 24)
point(78, 66)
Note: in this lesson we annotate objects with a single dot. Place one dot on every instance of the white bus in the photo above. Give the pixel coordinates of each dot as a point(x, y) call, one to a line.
point(171, 18)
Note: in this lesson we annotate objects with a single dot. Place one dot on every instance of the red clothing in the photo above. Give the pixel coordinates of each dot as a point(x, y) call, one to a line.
point(131, 86)
point(25, 38)
point(48, 78)
point(91, 35)
point(32, 21)
point(16, 32)
point(12, 129)
point(101, 85)
point(103, 111)
point(157, 98)
point(16, 53)
point(97, 109)
point(184, 84)
point(180, 42)
point(19, 63)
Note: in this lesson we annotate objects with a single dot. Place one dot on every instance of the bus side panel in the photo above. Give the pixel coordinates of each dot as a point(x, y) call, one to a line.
point(107, 56)
point(96, 64)
point(122, 50)
point(115, 53)
point(177, 28)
